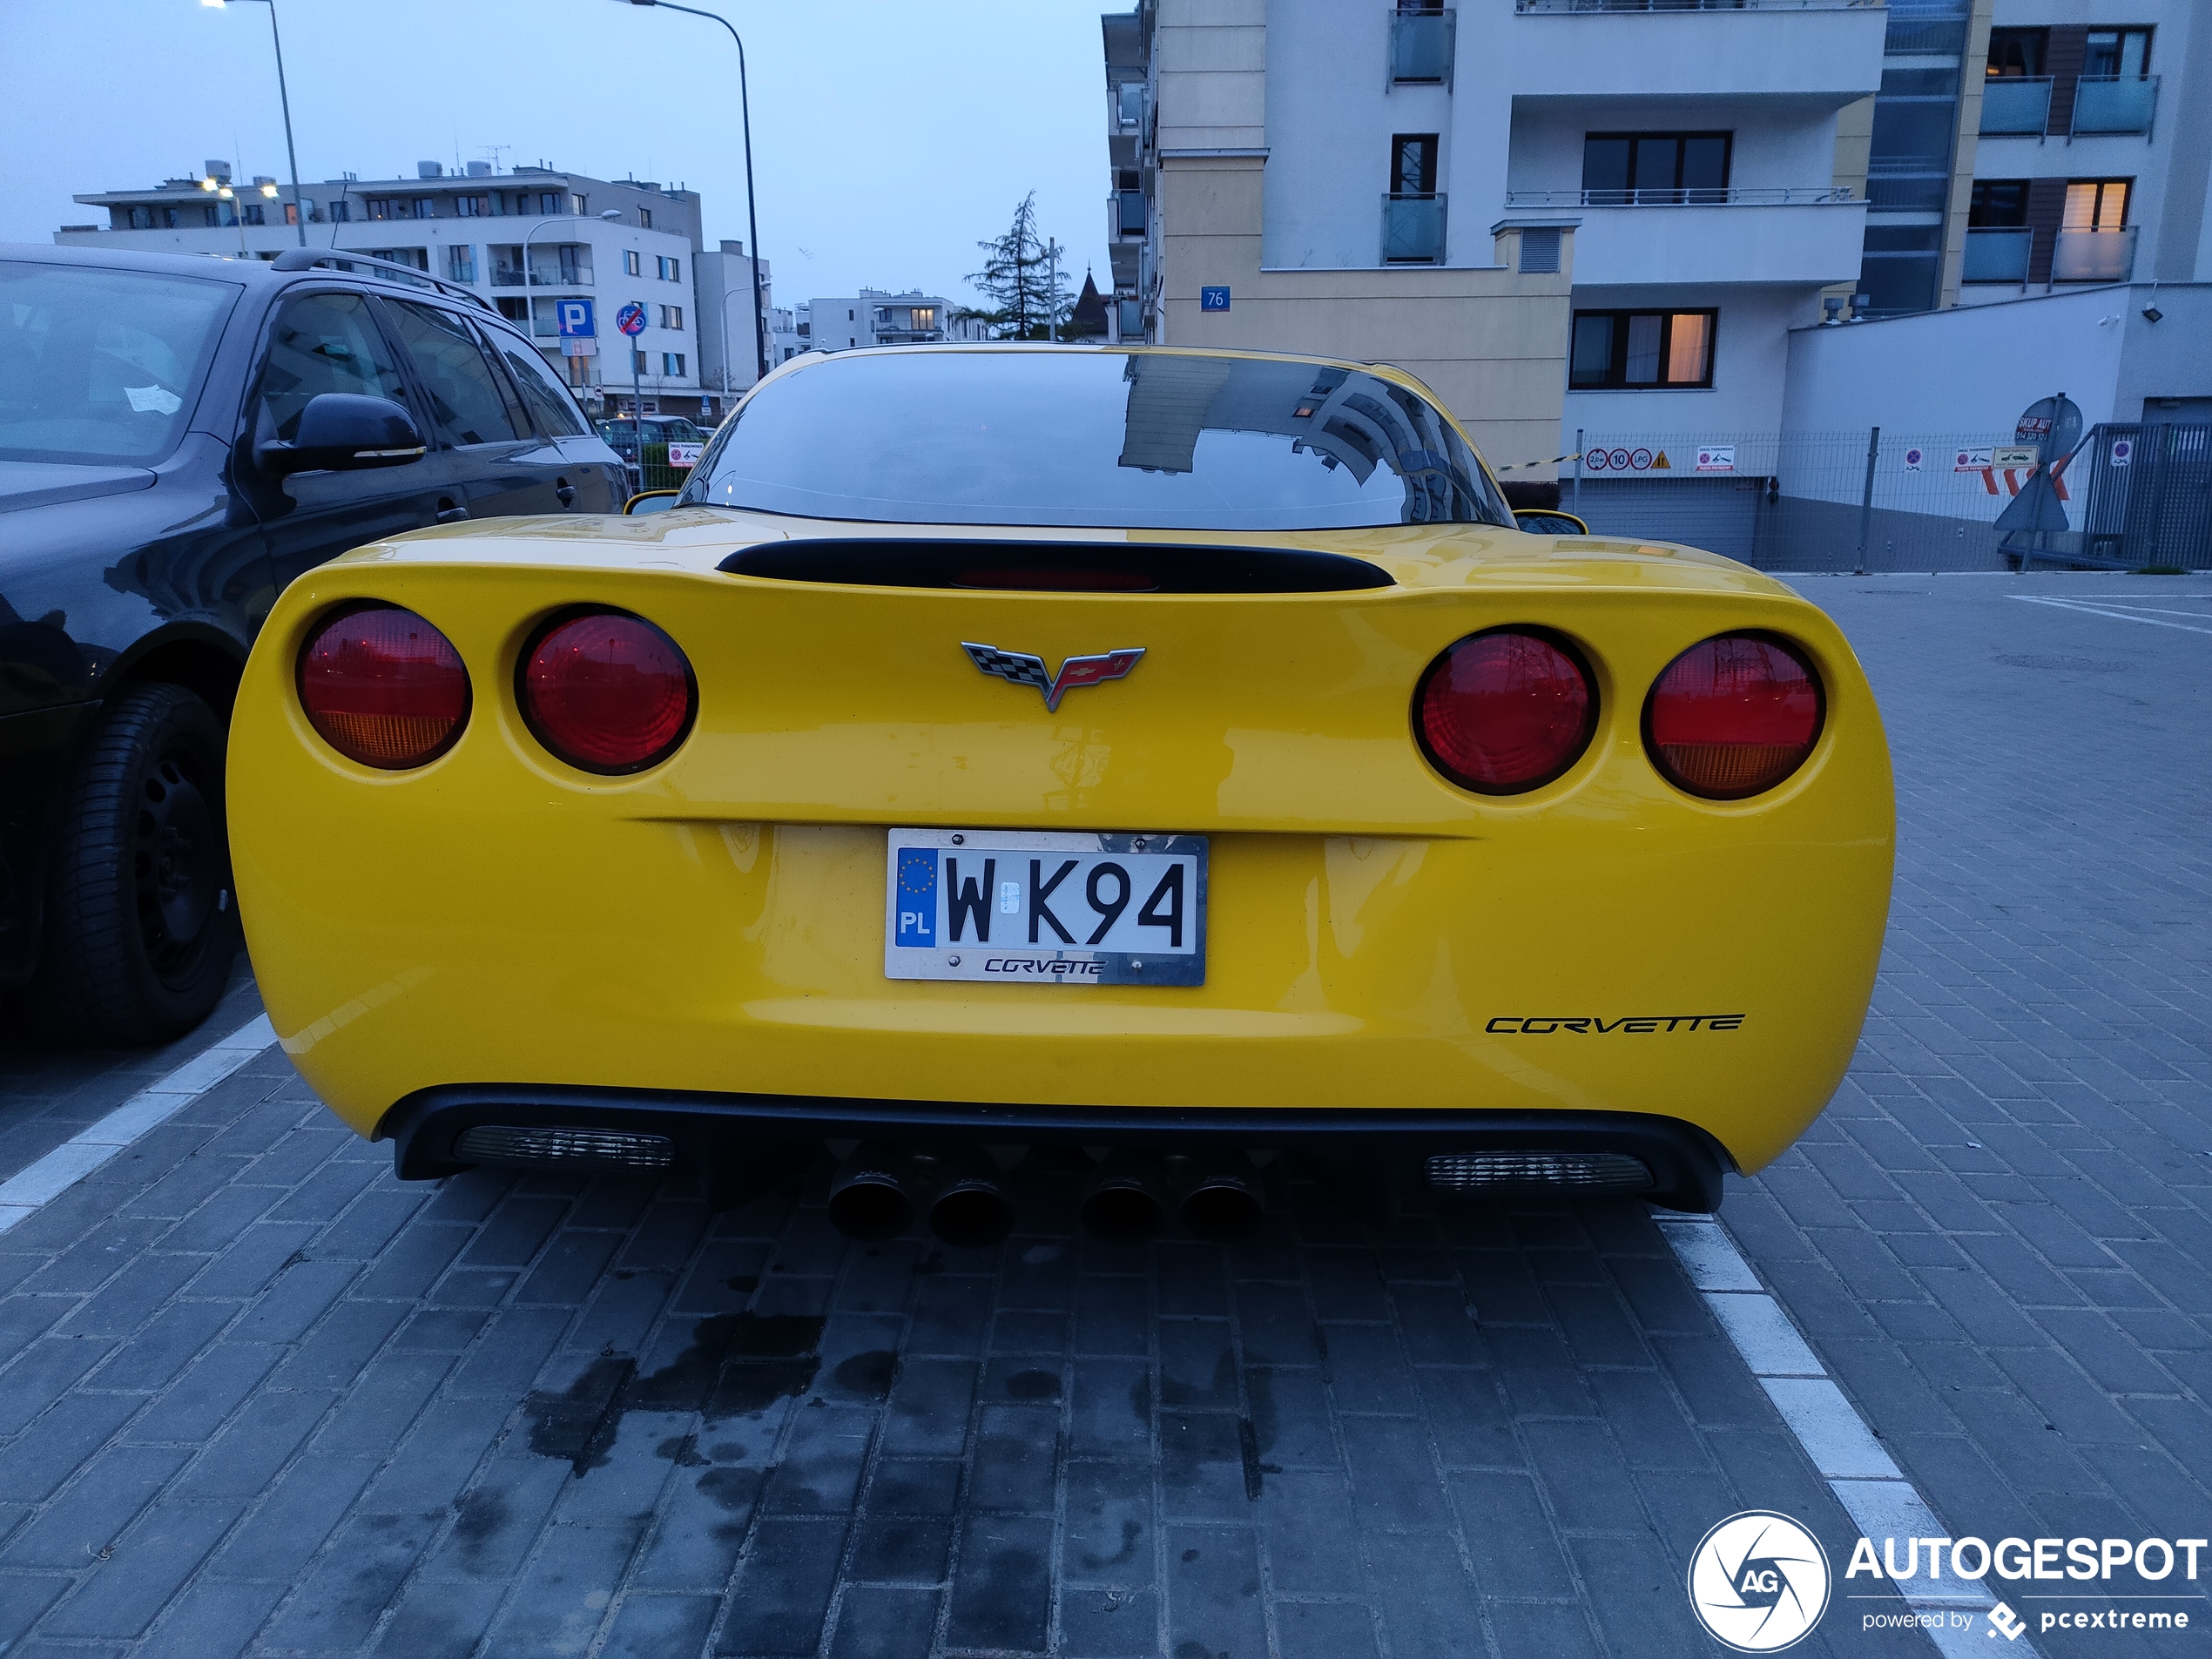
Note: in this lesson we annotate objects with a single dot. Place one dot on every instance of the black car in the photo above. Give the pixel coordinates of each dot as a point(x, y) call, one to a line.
point(180, 437)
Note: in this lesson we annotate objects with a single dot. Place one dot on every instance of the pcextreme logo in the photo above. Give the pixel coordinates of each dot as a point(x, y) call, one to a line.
point(1758, 1581)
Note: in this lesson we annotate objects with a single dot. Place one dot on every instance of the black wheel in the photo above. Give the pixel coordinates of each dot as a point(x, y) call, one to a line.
point(141, 923)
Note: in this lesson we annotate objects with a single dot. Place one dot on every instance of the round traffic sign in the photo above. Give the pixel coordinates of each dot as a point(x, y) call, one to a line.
point(631, 319)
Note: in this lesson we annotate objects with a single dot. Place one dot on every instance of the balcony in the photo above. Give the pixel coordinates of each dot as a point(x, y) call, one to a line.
point(1814, 54)
point(2015, 106)
point(1997, 255)
point(1127, 207)
point(2114, 103)
point(1698, 5)
point(1412, 229)
point(2093, 256)
point(1421, 45)
point(549, 268)
point(1796, 196)
point(1806, 235)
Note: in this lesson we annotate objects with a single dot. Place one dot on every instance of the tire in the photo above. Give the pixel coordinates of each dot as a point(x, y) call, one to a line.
point(141, 923)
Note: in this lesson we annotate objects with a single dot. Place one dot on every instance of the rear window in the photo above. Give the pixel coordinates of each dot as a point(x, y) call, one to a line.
point(1098, 439)
point(101, 365)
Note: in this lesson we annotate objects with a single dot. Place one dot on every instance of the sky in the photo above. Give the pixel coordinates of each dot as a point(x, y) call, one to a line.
point(886, 141)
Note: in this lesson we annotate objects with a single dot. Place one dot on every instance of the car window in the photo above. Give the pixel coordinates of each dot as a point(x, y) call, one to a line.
point(324, 342)
point(549, 401)
point(100, 366)
point(466, 398)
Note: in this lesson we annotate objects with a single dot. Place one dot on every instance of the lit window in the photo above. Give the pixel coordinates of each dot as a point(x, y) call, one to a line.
point(1641, 349)
point(2096, 204)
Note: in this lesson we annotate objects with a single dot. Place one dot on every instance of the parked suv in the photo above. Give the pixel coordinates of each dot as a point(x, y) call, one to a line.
point(180, 437)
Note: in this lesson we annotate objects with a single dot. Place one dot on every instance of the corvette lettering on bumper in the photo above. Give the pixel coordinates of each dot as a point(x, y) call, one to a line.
point(1516, 1025)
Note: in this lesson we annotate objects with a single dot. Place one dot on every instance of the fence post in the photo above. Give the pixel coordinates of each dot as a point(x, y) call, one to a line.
point(1578, 474)
point(1866, 501)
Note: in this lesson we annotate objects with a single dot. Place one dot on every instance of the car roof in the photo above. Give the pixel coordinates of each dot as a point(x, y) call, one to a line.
point(246, 274)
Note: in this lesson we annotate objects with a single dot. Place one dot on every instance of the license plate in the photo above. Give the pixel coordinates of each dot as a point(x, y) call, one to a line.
point(1045, 908)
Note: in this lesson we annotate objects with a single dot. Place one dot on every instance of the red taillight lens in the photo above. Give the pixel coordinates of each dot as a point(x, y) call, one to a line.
point(1733, 716)
point(1506, 710)
point(608, 693)
point(384, 687)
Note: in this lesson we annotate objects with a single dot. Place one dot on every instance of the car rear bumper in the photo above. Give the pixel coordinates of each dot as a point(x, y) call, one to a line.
point(1682, 1163)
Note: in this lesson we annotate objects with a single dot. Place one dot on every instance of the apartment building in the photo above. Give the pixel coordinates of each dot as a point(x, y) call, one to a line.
point(874, 317)
point(526, 239)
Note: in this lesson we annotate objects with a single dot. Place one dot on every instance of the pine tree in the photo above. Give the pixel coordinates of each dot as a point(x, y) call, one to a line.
point(1022, 279)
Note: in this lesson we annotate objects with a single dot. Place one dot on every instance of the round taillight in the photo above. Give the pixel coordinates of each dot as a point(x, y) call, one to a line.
point(384, 687)
point(1506, 710)
point(1733, 716)
point(607, 692)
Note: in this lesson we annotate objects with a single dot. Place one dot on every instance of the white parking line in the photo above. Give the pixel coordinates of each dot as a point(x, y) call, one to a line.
point(2088, 609)
point(38, 1183)
point(1862, 1474)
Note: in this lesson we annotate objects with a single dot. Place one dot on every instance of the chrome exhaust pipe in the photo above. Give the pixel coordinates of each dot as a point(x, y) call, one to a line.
point(971, 1211)
point(1122, 1203)
point(1223, 1202)
point(871, 1196)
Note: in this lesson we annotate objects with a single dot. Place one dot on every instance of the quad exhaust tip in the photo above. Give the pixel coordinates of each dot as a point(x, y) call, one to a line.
point(878, 1189)
point(1123, 1203)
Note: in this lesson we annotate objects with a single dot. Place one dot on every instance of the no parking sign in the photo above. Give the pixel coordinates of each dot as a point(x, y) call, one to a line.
point(2123, 451)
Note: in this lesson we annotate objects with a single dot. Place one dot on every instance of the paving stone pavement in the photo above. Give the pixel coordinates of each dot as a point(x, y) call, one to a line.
point(256, 1397)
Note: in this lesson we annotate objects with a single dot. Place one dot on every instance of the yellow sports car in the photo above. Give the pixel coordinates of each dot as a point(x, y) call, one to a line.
point(1179, 756)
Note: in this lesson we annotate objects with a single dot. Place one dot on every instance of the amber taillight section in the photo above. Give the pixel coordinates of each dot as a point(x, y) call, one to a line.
point(383, 687)
point(1733, 716)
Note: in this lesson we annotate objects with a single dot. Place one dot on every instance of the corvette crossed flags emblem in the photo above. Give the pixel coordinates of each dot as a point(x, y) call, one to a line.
point(1022, 668)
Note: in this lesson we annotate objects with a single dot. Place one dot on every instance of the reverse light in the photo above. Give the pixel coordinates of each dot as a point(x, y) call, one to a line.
point(383, 687)
point(1733, 716)
point(607, 692)
point(1506, 710)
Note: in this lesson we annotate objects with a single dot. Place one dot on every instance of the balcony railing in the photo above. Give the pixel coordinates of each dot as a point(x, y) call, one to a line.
point(1421, 45)
point(1803, 195)
point(2015, 106)
point(2114, 103)
point(1997, 255)
point(1128, 212)
point(1412, 229)
point(1696, 5)
point(2093, 256)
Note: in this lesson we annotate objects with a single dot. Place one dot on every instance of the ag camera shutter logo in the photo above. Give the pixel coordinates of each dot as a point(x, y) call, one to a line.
point(1758, 1581)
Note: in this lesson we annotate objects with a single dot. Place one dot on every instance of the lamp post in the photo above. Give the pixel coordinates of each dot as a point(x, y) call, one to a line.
point(753, 220)
point(610, 214)
point(284, 98)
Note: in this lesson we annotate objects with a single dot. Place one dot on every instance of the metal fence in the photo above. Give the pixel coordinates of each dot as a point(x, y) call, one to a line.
point(1883, 501)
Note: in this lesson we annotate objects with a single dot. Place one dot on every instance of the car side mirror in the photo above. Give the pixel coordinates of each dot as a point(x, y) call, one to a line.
point(649, 500)
point(346, 432)
point(1547, 520)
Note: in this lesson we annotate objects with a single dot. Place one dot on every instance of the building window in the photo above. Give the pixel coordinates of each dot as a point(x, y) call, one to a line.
point(2116, 51)
point(632, 264)
point(672, 363)
point(1655, 168)
point(2096, 204)
point(211, 216)
point(638, 362)
point(671, 270)
point(575, 205)
point(292, 211)
point(254, 215)
point(548, 201)
point(342, 211)
point(645, 218)
point(514, 310)
point(925, 318)
point(426, 207)
point(1642, 350)
point(2017, 51)
point(1413, 164)
point(386, 208)
point(461, 262)
point(141, 219)
point(1998, 205)
point(472, 207)
point(418, 257)
point(671, 316)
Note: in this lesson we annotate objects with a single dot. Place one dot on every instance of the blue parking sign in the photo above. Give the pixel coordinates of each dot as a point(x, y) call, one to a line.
point(577, 318)
point(1213, 299)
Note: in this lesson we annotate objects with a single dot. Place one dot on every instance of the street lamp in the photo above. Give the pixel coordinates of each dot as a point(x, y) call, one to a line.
point(298, 207)
point(610, 214)
point(753, 220)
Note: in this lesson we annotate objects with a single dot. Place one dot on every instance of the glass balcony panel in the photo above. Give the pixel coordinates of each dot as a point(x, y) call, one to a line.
point(1997, 255)
point(2015, 105)
point(2093, 256)
point(1412, 230)
point(1130, 212)
point(2114, 102)
point(1421, 45)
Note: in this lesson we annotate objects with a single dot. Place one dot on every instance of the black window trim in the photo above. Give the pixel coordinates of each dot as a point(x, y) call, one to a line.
point(1666, 314)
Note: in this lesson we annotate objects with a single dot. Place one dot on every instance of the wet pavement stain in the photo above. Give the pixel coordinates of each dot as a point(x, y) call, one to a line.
point(737, 1365)
point(1033, 1384)
point(868, 1374)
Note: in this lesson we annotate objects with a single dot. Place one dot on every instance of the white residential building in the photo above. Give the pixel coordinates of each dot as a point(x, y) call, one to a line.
point(729, 352)
point(611, 241)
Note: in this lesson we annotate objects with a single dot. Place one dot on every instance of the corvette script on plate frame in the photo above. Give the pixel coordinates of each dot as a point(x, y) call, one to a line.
point(1043, 907)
